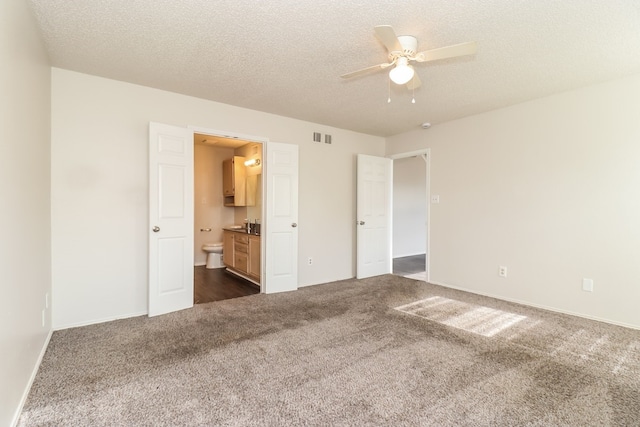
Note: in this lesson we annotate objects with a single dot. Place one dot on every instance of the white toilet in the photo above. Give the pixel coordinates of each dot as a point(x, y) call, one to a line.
point(214, 254)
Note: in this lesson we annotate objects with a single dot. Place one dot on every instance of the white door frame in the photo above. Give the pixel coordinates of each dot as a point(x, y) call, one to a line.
point(426, 152)
point(260, 140)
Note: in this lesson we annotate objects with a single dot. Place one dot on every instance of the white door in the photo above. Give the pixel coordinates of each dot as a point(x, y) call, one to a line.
point(170, 218)
point(281, 203)
point(374, 184)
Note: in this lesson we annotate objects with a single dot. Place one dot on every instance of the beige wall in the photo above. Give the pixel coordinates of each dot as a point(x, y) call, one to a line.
point(210, 211)
point(409, 206)
point(100, 196)
point(547, 188)
point(25, 245)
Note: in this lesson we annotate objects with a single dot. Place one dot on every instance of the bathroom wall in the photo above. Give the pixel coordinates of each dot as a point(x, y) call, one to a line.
point(209, 209)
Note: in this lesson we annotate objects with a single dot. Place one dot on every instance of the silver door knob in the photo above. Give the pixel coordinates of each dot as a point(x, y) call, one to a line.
point(361, 222)
point(156, 229)
point(294, 225)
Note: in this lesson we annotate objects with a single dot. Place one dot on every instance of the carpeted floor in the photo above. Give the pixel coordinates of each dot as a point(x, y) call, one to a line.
point(385, 351)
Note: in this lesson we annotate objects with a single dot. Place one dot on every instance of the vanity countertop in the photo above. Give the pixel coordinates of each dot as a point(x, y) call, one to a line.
point(239, 229)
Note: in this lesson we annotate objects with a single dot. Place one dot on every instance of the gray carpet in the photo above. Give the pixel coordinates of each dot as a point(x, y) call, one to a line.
point(385, 351)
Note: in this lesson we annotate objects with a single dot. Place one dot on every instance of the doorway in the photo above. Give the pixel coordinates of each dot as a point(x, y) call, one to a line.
point(411, 214)
point(214, 212)
point(171, 203)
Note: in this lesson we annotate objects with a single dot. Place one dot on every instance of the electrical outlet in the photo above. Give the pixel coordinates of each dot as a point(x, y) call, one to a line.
point(502, 271)
point(587, 285)
point(310, 261)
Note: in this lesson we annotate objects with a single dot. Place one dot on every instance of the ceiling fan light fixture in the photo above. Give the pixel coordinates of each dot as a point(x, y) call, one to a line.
point(402, 73)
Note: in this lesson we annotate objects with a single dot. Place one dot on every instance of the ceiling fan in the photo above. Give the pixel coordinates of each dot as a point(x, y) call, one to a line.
point(403, 51)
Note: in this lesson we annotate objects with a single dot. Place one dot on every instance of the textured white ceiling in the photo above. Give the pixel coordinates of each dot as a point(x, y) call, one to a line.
point(285, 56)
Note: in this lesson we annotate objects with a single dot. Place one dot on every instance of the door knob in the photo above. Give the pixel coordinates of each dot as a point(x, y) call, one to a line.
point(156, 229)
point(294, 225)
point(361, 222)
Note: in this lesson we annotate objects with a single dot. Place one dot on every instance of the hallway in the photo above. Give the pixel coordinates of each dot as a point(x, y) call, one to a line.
point(409, 265)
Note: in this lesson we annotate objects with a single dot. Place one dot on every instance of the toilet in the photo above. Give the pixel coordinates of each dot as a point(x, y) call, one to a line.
point(214, 255)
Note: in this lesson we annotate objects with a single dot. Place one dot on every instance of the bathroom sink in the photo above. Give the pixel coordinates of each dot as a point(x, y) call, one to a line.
point(235, 227)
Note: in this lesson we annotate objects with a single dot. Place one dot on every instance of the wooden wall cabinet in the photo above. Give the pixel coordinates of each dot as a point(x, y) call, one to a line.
point(234, 181)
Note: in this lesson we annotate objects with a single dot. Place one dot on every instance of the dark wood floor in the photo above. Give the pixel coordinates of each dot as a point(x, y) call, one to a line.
point(409, 265)
point(217, 284)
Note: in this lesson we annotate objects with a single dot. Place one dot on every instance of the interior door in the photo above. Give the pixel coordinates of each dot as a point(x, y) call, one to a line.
point(374, 187)
point(281, 204)
point(170, 218)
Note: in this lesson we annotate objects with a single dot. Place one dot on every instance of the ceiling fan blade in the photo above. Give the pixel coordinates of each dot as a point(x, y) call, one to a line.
point(414, 83)
point(366, 70)
point(388, 37)
point(461, 49)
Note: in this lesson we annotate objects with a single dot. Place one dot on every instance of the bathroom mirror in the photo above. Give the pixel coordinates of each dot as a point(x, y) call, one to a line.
point(254, 197)
point(251, 189)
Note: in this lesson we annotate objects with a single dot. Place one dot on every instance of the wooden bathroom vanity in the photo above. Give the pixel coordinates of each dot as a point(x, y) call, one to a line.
point(241, 253)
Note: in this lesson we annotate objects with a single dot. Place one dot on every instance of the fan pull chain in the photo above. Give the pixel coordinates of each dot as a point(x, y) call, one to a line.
point(413, 95)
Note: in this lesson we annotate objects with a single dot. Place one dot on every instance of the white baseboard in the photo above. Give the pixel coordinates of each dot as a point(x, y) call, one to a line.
point(32, 378)
point(96, 321)
point(543, 307)
point(406, 255)
point(237, 273)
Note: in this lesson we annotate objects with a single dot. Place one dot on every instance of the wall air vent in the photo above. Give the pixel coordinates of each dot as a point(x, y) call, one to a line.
point(317, 137)
point(327, 139)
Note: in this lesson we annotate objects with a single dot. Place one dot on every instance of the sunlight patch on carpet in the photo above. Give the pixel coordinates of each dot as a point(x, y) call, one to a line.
point(469, 317)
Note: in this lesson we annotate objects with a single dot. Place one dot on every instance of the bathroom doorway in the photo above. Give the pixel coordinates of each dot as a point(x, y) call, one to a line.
point(411, 215)
point(213, 213)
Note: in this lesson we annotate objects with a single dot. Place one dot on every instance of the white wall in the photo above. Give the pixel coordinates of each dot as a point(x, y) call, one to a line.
point(409, 206)
point(25, 257)
point(210, 211)
point(548, 188)
point(100, 184)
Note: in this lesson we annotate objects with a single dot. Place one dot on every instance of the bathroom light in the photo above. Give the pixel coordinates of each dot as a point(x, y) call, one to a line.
point(252, 162)
point(402, 72)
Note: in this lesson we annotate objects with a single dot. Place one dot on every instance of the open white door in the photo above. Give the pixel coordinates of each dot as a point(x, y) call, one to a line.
point(281, 203)
point(170, 218)
point(374, 186)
